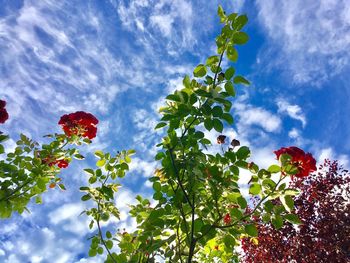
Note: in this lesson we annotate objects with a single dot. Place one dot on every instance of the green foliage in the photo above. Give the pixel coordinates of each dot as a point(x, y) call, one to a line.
point(27, 172)
point(198, 212)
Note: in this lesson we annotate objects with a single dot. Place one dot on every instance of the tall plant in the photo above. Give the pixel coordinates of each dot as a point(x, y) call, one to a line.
point(198, 212)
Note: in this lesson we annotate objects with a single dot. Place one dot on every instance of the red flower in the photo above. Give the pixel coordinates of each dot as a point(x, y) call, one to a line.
point(2, 104)
point(221, 139)
point(303, 161)
point(3, 112)
point(79, 123)
point(60, 163)
point(227, 219)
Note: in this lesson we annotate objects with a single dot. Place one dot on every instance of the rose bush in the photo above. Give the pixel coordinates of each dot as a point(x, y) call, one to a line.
point(198, 212)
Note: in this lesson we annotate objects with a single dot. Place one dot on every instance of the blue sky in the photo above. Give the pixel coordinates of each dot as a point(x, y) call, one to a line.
point(119, 59)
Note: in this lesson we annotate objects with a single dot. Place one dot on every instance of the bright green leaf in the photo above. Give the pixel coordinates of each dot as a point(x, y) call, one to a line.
point(255, 189)
point(187, 82)
point(232, 53)
point(240, 38)
point(230, 89)
point(100, 163)
point(287, 202)
point(229, 73)
point(274, 169)
point(200, 71)
point(240, 80)
point(243, 153)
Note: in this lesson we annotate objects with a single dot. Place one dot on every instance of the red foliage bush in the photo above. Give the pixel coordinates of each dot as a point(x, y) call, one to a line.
point(323, 207)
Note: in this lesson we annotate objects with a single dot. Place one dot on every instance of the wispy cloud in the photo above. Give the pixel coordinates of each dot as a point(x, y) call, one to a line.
point(309, 40)
point(293, 111)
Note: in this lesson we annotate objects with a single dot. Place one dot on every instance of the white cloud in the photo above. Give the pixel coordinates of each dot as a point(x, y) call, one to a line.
point(257, 116)
point(146, 168)
point(311, 38)
point(293, 111)
point(328, 153)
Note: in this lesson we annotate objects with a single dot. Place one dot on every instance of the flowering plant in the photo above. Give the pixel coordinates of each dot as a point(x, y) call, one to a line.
point(198, 212)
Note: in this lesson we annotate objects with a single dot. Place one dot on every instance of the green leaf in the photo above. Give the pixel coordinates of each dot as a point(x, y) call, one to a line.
point(230, 89)
point(232, 53)
point(38, 199)
point(240, 22)
point(218, 126)
point(131, 152)
point(228, 118)
point(157, 186)
point(229, 73)
point(200, 71)
point(208, 124)
point(277, 221)
point(255, 189)
point(127, 159)
point(89, 171)
point(92, 179)
point(243, 153)
point(86, 197)
point(291, 192)
point(229, 241)
point(268, 205)
point(108, 234)
point(274, 169)
point(268, 183)
point(287, 202)
point(173, 97)
point(205, 141)
point(213, 60)
point(241, 80)
point(62, 187)
point(221, 14)
point(217, 111)
point(251, 230)
point(79, 156)
point(100, 163)
point(92, 252)
point(2, 149)
point(99, 154)
point(294, 219)
point(160, 125)
point(100, 250)
point(240, 38)
point(187, 82)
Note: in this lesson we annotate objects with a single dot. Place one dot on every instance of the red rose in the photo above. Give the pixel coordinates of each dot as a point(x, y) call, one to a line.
point(3, 115)
point(79, 123)
point(60, 163)
point(303, 161)
point(2, 104)
point(227, 219)
point(3, 112)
